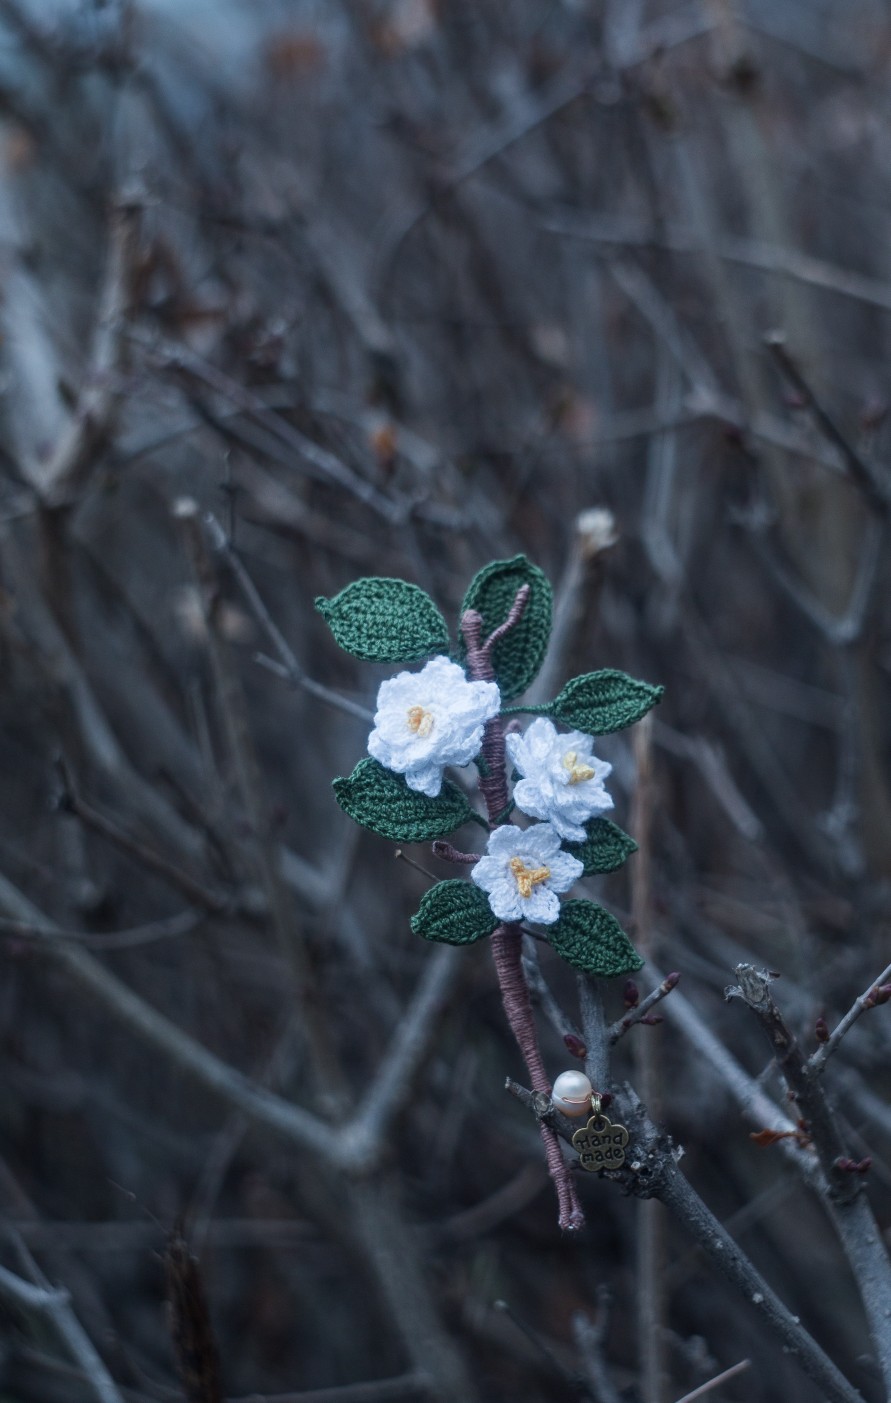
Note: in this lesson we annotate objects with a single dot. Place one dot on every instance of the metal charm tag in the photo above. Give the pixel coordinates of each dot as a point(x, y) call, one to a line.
point(601, 1145)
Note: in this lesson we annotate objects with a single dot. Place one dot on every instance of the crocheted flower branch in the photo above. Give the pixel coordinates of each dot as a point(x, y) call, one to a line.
point(450, 713)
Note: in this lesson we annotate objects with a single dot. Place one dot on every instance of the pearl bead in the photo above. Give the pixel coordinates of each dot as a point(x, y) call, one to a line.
point(572, 1094)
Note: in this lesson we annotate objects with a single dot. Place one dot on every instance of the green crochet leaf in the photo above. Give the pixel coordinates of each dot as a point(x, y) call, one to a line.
point(589, 938)
point(605, 847)
point(605, 701)
point(518, 656)
point(385, 621)
point(381, 800)
point(454, 912)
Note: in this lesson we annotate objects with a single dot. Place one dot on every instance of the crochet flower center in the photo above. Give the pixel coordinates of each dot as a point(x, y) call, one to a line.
point(527, 877)
point(420, 721)
point(577, 771)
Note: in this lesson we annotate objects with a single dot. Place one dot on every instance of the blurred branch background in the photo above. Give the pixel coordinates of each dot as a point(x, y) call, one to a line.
point(398, 287)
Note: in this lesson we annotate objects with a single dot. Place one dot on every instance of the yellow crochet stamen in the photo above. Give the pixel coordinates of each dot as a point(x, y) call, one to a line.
point(528, 877)
point(577, 772)
point(420, 721)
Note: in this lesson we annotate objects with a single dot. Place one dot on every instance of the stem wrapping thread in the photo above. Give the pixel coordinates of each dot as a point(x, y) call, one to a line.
point(507, 939)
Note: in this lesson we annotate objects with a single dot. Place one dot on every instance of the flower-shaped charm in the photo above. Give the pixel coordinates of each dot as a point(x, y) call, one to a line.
point(522, 873)
point(429, 719)
point(562, 781)
point(601, 1144)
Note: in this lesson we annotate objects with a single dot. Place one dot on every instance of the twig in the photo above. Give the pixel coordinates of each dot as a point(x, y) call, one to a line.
point(594, 532)
point(67, 677)
point(508, 1199)
point(387, 1094)
point(597, 1060)
point(652, 1172)
point(402, 856)
point(224, 1234)
point(754, 990)
point(402, 1273)
point(716, 1382)
point(849, 1207)
point(70, 801)
point(764, 761)
point(315, 689)
point(540, 1345)
point(530, 112)
point(403, 1386)
point(292, 668)
point(322, 464)
point(862, 474)
point(41, 1299)
point(655, 308)
point(759, 254)
point(264, 843)
point(414, 1386)
point(754, 1103)
point(147, 934)
point(589, 1338)
point(263, 1108)
point(193, 1338)
point(63, 1370)
point(390, 1248)
point(92, 420)
point(838, 630)
point(541, 991)
point(817, 1060)
point(708, 759)
point(649, 1246)
point(636, 1015)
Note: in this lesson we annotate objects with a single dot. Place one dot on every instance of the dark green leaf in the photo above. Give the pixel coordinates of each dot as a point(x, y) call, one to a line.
point(605, 701)
point(382, 801)
point(589, 938)
point(518, 656)
point(605, 847)
point(385, 621)
point(455, 912)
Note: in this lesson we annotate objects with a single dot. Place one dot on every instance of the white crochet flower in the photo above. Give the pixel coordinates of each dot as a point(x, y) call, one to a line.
point(562, 780)
point(429, 719)
point(523, 871)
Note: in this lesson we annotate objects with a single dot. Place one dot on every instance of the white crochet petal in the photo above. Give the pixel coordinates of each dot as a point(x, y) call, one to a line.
point(505, 900)
point(425, 779)
point(550, 789)
point(429, 719)
point(540, 842)
point(542, 906)
point(565, 870)
point(503, 841)
point(530, 800)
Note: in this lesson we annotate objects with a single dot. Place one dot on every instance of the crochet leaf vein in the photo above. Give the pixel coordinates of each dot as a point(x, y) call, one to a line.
point(455, 912)
point(385, 621)
point(605, 846)
point(518, 656)
point(381, 800)
point(600, 702)
point(587, 937)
